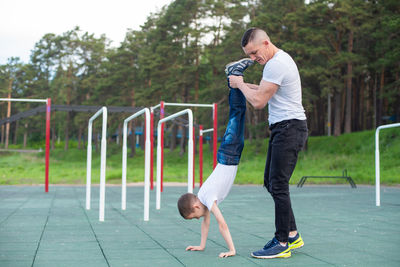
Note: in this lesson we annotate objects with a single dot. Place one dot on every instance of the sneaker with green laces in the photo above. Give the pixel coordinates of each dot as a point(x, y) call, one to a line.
point(295, 242)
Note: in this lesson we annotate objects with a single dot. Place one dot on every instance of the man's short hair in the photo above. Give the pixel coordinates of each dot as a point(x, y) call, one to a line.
point(185, 204)
point(250, 35)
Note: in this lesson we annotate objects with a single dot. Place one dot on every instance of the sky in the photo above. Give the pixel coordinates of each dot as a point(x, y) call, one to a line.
point(25, 22)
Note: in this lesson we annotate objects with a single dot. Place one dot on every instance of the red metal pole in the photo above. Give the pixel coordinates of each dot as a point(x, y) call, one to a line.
point(151, 148)
point(162, 144)
point(215, 136)
point(201, 154)
point(48, 110)
point(194, 153)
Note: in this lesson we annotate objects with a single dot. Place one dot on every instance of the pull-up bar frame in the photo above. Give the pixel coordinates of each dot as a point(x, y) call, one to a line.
point(48, 117)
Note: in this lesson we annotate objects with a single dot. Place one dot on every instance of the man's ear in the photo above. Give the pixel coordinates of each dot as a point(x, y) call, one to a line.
point(266, 42)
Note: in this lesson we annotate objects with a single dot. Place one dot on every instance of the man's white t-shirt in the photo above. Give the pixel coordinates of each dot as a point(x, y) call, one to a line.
point(217, 185)
point(286, 103)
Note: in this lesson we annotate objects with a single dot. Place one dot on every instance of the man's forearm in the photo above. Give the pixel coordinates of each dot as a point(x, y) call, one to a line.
point(252, 86)
point(251, 93)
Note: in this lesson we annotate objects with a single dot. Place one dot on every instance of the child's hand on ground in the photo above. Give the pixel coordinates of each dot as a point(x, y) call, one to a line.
point(227, 254)
point(193, 248)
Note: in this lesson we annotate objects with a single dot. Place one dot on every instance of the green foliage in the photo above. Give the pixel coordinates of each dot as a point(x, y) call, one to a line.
point(180, 53)
point(324, 156)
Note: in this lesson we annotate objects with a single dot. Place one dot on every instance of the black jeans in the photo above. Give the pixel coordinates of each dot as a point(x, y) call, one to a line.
point(287, 139)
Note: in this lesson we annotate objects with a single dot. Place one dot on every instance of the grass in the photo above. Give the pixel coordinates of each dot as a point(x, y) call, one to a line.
point(324, 156)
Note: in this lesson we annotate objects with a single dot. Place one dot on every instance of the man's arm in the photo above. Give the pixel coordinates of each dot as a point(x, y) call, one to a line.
point(252, 86)
point(224, 230)
point(257, 95)
point(205, 225)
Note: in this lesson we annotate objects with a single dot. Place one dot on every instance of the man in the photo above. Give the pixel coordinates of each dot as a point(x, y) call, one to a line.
point(280, 87)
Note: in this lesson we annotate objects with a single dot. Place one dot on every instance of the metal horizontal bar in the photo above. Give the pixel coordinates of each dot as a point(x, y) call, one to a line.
point(388, 126)
point(345, 177)
point(155, 107)
point(23, 100)
point(175, 115)
point(96, 114)
point(140, 112)
point(189, 105)
point(207, 130)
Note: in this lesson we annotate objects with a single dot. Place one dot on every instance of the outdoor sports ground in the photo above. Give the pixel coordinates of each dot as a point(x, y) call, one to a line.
point(340, 225)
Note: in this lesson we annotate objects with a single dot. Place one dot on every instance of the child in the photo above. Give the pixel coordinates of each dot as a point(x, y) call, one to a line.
point(219, 183)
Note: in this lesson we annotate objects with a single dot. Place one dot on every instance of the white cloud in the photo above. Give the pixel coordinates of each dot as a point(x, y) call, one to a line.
point(24, 22)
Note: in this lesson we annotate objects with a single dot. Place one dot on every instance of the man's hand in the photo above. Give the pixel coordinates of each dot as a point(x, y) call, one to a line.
point(227, 254)
point(194, 248)
point(235, 81)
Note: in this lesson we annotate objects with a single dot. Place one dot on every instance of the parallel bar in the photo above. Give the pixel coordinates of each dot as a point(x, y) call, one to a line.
point(377, 163)
point(147, 154)
point(103, 111)
point(159, 153)
point(103, 166)
point(207, 130)
point(23, 100)
point(96, 115)
point(155, 107)
point(145, 111)
point(188, 105)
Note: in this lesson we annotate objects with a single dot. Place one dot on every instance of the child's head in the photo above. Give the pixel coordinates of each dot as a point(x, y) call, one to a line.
point(190, 207)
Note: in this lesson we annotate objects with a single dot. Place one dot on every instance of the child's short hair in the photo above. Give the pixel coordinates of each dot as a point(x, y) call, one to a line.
point(185, 204)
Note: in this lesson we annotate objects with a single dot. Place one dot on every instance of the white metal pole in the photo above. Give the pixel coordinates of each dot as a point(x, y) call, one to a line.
point(103, 165)
point(158, 184)
point(155, 107)
point(124, 151)
point(377, 170)
point(89, 165)
point(190, 153)
point(147, 168)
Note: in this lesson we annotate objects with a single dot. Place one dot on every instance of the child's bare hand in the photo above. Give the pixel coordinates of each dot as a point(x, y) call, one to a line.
point(193, 248)
point(227, 254)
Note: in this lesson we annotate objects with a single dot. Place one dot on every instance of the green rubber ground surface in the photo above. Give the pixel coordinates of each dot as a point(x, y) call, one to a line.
point(340, 226)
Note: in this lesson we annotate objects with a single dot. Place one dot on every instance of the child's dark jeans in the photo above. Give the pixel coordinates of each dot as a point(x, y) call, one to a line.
point(232, 144)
